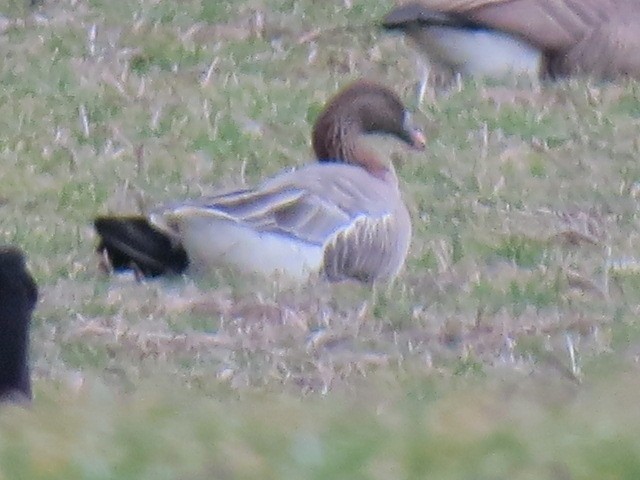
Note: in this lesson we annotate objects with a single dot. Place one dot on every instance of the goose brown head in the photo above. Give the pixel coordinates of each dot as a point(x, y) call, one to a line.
point(362, 108)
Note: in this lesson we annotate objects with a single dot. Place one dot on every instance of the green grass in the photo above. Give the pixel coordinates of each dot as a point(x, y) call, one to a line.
point(506, 349)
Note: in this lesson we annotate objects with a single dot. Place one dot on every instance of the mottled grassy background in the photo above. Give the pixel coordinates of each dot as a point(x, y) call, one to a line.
point(507, 349)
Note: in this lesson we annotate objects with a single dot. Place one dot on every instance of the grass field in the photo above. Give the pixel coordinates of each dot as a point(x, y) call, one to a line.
point(507, 349)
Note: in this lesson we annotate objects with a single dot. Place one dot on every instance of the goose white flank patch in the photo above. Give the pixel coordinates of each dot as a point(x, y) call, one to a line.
point(18, 297)
point(339, 218)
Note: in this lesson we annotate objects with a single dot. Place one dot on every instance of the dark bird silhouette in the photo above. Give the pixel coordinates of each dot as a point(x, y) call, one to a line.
point(18, 297)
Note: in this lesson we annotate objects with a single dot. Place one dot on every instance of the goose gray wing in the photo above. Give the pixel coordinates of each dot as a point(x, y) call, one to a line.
point(292, 212)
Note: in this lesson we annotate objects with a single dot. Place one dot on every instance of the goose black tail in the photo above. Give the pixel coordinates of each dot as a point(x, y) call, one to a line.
point(133, 243)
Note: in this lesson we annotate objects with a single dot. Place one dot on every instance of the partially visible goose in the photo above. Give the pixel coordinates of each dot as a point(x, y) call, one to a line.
point(18, 296)
point(340, 218)
point(551, 38)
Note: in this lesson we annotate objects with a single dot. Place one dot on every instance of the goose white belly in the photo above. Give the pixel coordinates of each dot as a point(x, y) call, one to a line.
point(214, 243)
point(479, 52)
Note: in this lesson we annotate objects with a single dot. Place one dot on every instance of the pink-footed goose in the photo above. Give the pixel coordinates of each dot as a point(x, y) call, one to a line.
point(340, 218)
point(18, 296)
point(546, 38)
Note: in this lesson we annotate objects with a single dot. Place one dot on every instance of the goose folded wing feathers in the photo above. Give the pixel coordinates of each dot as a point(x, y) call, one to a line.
point(609, 50)
point(254, 208)
point(551, 25)
point(546, 24)
point(309, 205)
point(363, 249)
point(336, 194)
point(360, 221)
